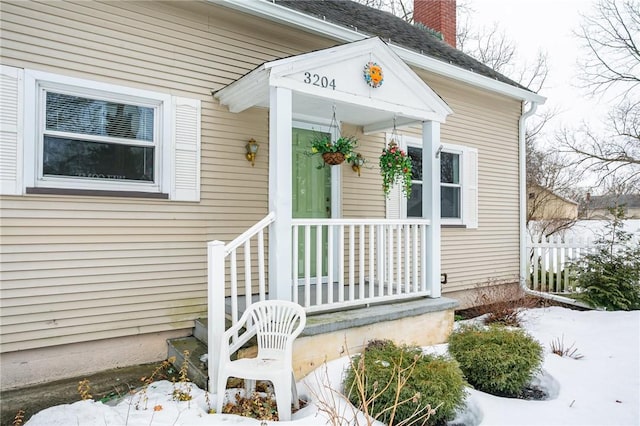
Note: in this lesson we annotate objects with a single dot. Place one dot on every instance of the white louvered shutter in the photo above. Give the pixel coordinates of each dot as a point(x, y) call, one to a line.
point(470, 187)
point(394, 203)
point(186, 143)
point(11, 134)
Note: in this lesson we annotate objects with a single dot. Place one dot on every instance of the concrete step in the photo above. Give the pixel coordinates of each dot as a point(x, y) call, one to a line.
point(200, 330)
point(197, 370)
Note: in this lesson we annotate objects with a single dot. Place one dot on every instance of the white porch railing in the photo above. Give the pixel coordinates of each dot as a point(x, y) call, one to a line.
point(340, 263)
point(337, 263)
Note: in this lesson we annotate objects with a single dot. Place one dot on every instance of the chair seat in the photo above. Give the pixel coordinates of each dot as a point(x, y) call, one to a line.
point(254, 368)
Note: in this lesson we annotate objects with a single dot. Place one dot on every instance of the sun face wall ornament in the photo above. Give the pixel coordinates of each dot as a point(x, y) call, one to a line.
point(373, 74)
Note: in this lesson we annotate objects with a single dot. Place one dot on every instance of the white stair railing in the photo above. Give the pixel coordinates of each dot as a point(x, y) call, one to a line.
point(238, 251)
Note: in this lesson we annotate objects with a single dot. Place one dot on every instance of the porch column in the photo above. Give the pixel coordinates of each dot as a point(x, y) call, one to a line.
point(431, 201)
point(280, 188)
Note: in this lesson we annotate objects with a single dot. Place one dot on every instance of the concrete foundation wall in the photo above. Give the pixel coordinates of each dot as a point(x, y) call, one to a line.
point(425, 329)
point(30, 367)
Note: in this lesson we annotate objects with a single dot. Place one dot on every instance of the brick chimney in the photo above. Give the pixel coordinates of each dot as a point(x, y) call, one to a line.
point(439, 15)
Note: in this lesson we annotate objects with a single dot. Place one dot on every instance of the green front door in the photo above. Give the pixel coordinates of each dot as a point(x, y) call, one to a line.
point(311, 194)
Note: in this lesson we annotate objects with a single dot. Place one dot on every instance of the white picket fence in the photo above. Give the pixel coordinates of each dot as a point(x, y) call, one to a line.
point(549, 259)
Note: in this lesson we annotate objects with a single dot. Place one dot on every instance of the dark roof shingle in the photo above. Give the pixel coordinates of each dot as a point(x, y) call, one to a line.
point(390, 28)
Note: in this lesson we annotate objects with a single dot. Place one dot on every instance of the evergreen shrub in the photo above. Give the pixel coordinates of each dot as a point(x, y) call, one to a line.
point(496, 360)
point(609, 278)
point(422, 379)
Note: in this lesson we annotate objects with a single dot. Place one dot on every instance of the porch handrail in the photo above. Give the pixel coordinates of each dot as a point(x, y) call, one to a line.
point(251, 232)
point(217, 254)
point(311, 221)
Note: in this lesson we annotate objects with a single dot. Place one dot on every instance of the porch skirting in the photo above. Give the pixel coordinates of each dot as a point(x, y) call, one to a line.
point(331, 335)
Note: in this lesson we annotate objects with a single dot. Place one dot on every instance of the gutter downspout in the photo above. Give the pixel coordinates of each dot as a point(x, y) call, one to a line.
point(523, 213)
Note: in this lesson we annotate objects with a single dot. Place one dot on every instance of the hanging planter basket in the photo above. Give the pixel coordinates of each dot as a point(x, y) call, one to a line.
point(333, 158)
point(395, 168)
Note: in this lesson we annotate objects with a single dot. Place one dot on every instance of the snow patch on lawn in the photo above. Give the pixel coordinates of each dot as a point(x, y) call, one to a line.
point(603, 388)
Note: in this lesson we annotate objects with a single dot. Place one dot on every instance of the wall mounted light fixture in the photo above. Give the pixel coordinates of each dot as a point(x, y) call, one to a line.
point(357, 162)
point(252, 150)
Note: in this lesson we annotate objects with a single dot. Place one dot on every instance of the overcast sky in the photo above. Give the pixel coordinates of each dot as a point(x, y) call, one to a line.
point(547, 25)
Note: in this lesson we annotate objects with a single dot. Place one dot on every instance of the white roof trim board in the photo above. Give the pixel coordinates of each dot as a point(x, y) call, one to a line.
point(402, 96)
point(292, 18)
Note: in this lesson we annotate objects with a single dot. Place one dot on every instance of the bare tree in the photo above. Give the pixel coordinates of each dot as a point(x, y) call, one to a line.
point(551, 191)
point(400, 8)
point(614, 159)
point(611, 66)
point(611, 38)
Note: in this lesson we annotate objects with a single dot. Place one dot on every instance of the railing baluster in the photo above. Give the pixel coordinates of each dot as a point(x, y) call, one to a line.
point(330, 263)
point(261, 268)
point(341, 263)
point(372, 248)
point(423, 260)
point(390, 260)
point(361, 265)
point(307, 265)
point(380, 249)
point(248, 291)
point(415, 286)
point(352, 262)
point(319, 264)
point(233, 271)
point(407, 259)
point(295, 273)
point(398, 250)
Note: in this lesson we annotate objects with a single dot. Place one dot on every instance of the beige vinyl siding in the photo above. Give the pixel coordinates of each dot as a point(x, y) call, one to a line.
point(80, 268)
point(489, 123)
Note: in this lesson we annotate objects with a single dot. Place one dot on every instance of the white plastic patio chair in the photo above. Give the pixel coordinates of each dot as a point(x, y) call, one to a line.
point(276, 324)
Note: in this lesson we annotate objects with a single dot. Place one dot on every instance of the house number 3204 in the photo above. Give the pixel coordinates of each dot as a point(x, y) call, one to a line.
point(319, 80)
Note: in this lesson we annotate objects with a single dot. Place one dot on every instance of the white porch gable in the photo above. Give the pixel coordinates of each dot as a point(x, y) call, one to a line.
point(313, 85)
point(335, 76)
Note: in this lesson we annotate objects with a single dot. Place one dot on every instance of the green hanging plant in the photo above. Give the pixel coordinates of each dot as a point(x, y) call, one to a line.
point(334, 152)
point(395, 167)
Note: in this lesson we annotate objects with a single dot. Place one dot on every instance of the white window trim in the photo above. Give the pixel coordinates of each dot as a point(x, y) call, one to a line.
point(468, 212)
point(35, 83)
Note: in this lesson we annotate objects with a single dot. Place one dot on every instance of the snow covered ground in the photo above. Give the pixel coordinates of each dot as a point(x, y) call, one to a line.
point(602, 388)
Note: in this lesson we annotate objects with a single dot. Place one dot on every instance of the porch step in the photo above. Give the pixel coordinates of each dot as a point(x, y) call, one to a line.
point(197, 371)
point(200, 330)
point(316, 324)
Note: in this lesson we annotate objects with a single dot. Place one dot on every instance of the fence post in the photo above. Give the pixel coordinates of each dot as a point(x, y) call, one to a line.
point(215, 308)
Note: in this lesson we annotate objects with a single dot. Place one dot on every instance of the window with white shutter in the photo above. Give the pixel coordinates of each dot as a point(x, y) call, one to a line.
point(458, 185)
point(85, 137)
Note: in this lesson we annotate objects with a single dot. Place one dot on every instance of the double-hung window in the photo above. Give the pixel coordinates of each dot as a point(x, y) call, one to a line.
point(81, 137)
point(458, 185)
point(102, 142)
point(450, 185)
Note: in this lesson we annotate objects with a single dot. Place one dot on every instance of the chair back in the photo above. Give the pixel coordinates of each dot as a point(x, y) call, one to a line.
point(277, 323)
